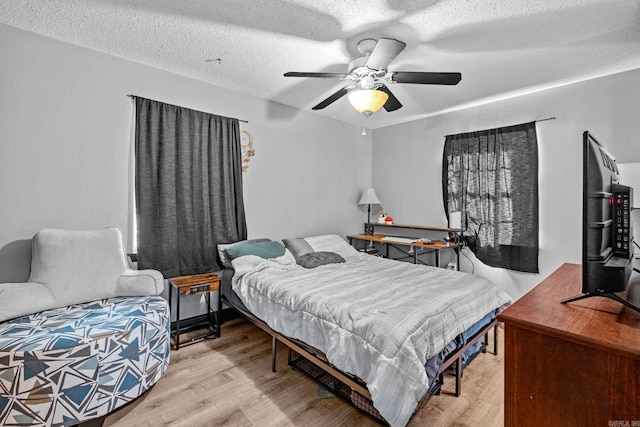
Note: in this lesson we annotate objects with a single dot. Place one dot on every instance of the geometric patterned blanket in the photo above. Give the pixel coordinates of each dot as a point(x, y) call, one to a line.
point(62, 366)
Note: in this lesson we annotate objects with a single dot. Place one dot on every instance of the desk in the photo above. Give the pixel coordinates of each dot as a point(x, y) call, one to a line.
point(456, 233)
point(435, 246)
point(572, 364)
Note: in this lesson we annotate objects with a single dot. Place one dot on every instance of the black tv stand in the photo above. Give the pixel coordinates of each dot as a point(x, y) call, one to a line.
point(609, 295)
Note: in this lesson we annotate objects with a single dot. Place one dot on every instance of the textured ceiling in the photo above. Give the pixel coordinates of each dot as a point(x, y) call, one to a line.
point(502, 48)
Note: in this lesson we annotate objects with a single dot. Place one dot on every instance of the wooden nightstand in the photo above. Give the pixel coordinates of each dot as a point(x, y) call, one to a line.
point(197, 284)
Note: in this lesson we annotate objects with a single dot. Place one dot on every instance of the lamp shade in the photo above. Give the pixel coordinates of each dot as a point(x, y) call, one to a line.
point(367, 101)
point(369, 197)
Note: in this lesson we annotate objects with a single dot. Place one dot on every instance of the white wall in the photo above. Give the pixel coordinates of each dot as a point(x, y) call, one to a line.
point(407, 161)
point(65, 142)
point(630, 175)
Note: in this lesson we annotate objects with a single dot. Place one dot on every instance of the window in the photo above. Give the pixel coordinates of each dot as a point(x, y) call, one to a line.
point(491, 177)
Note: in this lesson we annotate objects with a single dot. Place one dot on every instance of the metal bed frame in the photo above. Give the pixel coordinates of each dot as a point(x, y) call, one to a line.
point(357, 393)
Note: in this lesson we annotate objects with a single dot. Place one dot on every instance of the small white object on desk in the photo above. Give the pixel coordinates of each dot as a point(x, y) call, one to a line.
point(398, 239)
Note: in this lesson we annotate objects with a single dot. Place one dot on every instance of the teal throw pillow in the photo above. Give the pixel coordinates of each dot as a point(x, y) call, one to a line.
point(264, 250)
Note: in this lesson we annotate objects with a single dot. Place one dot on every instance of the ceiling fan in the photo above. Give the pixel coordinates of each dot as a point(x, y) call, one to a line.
point(369, 77)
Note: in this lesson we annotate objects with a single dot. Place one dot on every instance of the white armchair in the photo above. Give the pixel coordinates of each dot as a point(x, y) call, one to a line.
point(84, 336)
point(71, 267)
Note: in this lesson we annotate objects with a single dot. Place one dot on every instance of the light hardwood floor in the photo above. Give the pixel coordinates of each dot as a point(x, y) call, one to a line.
point(228, 382)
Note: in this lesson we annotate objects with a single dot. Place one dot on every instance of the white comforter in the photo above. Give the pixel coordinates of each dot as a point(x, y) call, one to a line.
point(376, 318)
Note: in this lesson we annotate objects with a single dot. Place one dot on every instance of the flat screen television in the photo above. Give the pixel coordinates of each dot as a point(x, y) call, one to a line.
point(607, 228)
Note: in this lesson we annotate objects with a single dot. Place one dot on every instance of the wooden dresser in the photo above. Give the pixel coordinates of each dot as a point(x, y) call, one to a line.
point(575, 364)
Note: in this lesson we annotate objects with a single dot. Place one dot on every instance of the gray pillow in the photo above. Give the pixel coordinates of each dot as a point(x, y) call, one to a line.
point(297, 247)
point(224, 256)
point(316, 259)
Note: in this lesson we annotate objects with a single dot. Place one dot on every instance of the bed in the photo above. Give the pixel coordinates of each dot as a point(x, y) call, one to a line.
point(387, 323)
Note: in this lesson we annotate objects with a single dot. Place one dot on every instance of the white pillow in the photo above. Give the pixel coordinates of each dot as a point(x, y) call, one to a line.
point(331, 243)
point(76, 266)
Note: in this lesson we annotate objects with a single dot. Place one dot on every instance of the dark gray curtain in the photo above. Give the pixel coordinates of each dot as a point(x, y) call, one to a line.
point(491, 177)
point(188, 187)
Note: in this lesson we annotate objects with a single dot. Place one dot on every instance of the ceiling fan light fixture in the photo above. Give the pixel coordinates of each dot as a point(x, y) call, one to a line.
point(368, 74)
point(367, 101)
point(366, 46)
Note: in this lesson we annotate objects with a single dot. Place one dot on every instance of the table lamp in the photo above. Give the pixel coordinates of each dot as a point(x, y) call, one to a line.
point(369, 198)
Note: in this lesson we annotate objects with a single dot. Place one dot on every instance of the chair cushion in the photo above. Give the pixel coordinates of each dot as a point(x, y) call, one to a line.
point(71, 364)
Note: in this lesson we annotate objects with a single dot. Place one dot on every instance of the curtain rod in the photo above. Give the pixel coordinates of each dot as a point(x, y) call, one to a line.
point(136, 96)
point(535, 121)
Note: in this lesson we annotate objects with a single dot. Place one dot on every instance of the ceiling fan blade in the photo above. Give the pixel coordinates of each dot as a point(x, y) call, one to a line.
point(392, 103)
point(385, 51)
point(321, 75)
point(426, 78)
point(339, 94)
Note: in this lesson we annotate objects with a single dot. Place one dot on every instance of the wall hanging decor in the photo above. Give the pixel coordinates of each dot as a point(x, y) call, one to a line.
point(246, 142)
